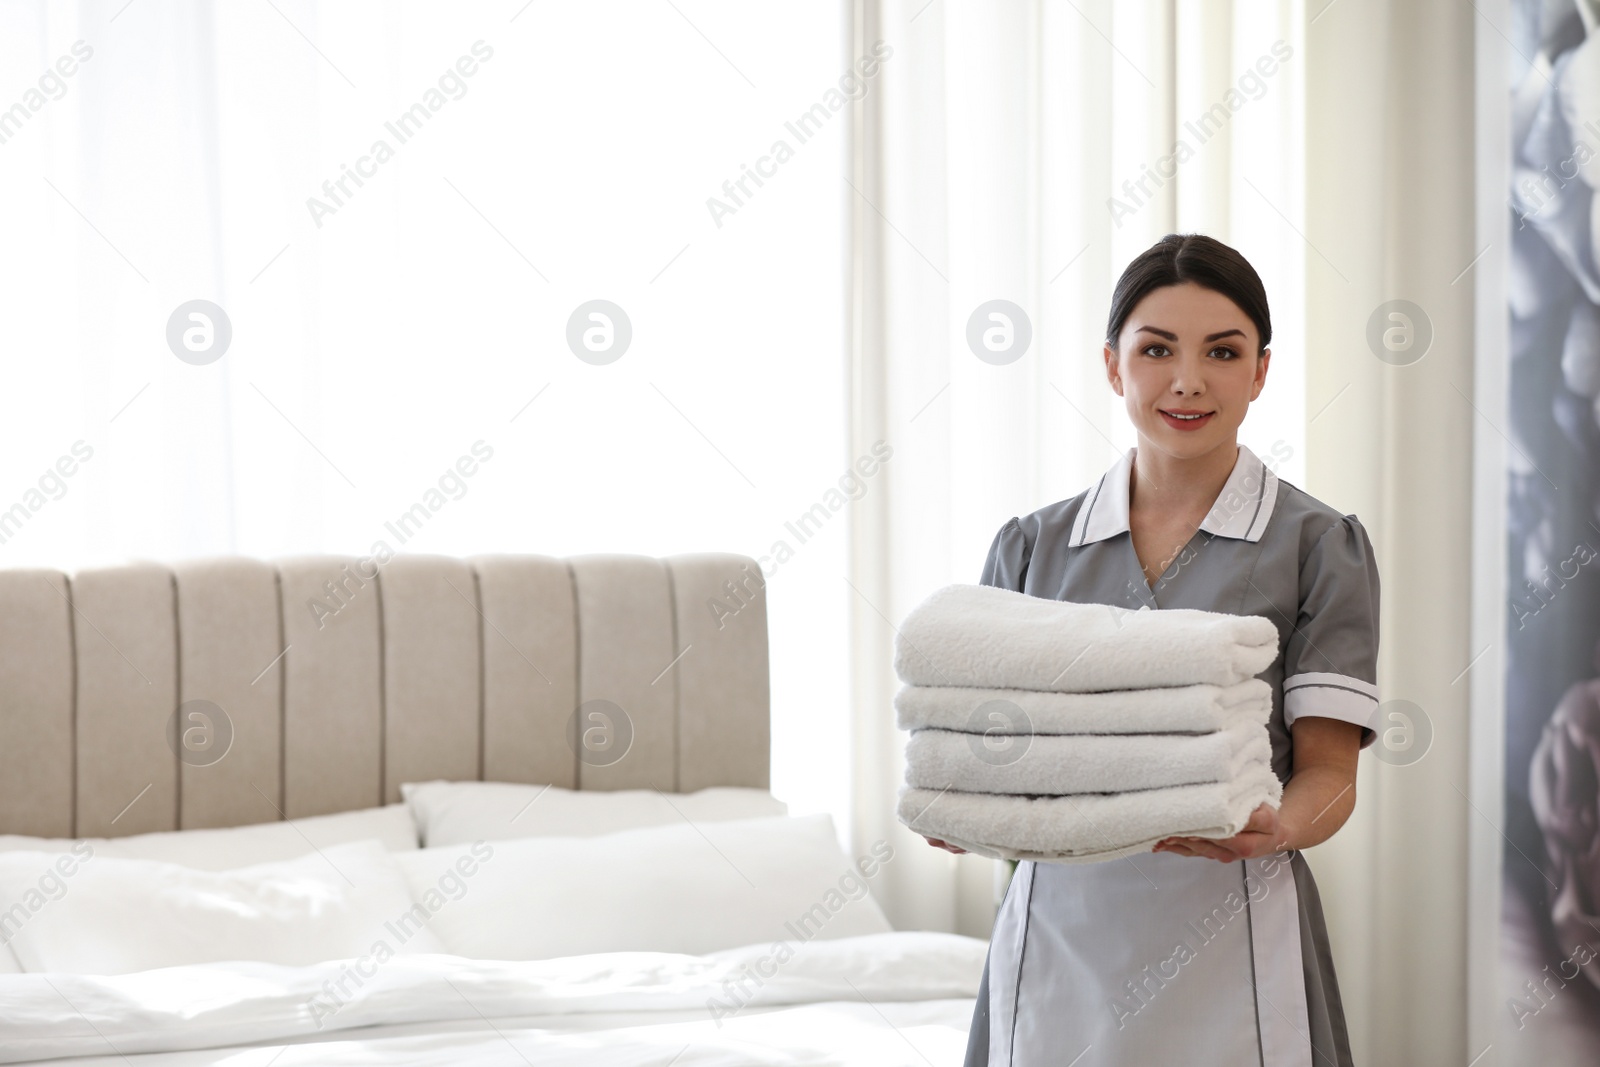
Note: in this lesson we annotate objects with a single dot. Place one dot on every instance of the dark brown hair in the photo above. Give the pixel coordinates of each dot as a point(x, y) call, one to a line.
point(1191, 257)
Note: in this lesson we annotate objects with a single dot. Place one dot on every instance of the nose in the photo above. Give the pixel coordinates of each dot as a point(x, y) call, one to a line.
point(1187, 379)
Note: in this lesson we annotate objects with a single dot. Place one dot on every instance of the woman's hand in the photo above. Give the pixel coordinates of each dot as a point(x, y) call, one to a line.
point(936, 843)
point(1317, 798)
point(1265, 833)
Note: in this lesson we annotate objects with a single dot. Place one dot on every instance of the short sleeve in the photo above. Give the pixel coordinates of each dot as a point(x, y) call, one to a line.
point(1331, 664)
point(1007, 565)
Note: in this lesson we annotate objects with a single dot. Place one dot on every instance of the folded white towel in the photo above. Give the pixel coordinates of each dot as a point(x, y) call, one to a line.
point(989, 637)
point(1081, 763)
point(1087, 828)
point(1173, 709)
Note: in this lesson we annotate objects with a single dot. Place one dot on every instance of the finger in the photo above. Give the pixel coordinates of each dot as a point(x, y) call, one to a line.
point(1245, 846)
point(1241, 846)
point(1210, 849)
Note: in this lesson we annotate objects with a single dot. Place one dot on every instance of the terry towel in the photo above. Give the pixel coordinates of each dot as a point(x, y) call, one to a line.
point(987, 637)
point(1087, 828)
point(1066, 763)
point(1196, 709)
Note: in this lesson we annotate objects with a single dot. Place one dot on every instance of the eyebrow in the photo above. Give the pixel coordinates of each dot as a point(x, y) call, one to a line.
point(1169, 335)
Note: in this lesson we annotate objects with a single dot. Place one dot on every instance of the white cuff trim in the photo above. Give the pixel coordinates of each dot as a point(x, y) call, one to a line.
point(1340, 681)
point(1332, 696)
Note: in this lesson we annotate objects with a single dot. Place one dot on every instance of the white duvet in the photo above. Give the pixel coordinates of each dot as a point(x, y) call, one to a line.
point(880, 999)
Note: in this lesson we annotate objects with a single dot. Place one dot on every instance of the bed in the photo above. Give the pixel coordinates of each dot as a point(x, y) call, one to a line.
point(419, 809)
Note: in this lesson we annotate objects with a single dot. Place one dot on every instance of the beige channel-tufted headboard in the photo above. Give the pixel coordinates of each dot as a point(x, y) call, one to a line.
point(431, 667)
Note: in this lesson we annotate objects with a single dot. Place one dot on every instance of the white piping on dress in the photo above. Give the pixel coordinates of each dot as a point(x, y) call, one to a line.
point(1282, 1017)
point(1005, 964)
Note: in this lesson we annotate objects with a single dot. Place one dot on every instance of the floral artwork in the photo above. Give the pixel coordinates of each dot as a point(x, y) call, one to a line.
point(1564, 788)
point(1550, 924)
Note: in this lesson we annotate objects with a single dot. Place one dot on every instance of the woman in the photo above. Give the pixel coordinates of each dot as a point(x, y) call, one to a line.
point(1201, 951)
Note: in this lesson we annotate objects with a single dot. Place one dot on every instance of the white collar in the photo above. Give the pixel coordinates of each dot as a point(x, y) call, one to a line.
point(1241, 510)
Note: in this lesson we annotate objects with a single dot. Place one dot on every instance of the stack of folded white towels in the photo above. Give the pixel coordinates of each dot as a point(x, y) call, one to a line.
point(1070, 733)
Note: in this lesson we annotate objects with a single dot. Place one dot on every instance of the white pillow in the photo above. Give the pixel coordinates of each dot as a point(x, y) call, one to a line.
point(684, 888)
point(243, 846)
point(82, 913)
point(458, 813)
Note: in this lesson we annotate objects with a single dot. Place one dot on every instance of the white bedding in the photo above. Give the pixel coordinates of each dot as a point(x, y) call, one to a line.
point(459, 813)
point(881, 999)
point(694, 887)
point(117, 916)
point(930, 1033)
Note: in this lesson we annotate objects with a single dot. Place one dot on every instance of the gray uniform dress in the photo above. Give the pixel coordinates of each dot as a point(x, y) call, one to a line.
point(1159, 958)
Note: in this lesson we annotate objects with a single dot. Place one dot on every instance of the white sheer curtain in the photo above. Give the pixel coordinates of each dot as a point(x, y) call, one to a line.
point(1342, 168)
point(563, 153)
point(1008, 163)
point(1391, 215)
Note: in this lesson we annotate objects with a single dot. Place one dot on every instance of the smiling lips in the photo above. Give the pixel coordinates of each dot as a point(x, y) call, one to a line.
point(1186, 419)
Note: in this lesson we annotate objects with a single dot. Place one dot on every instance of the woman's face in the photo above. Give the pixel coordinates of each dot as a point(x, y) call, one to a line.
point(1186, 363)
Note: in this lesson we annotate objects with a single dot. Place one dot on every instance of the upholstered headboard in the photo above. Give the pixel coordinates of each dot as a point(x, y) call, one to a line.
point(337, 679)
